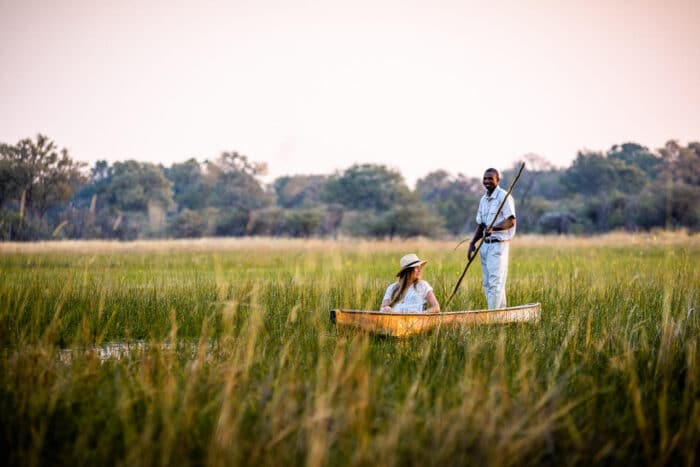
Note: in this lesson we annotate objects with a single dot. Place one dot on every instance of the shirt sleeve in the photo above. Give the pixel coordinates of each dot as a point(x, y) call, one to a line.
point(479, 220)
point(425, 289)
point(509, 208)
point(387, 294)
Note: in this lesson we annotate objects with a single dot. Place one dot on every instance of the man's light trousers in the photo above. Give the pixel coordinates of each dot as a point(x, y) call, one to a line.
point(494, 266)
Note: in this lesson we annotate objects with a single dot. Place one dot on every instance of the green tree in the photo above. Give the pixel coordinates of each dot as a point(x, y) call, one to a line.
point(189, 190)
point(302, 222)
point(681, 164)
point(267, 221)
point(539, 195)
point(234, 188)
point(37, 175)
point(126, 200)
point(367, 187)
point(332, 219)
point(187, 224)
point(638, 156)
point(540, 179)
point(558, 222)
point(454, 198)
point(132, 185)
point(610, 211)
point(410, 220)
point(233, 182)
point(299, 191)
point(17, 228)
point(593, 173)
point(232, 222)
point(673, 206)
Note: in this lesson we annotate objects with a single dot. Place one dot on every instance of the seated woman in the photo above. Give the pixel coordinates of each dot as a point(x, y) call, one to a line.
point(410, 294)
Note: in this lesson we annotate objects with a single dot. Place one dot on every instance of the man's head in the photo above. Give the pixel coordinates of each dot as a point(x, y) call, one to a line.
point(491, 179)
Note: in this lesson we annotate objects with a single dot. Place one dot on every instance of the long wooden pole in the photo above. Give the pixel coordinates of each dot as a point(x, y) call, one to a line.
point(483, 237)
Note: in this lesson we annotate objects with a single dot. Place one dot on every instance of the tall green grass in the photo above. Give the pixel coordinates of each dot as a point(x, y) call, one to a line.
point(233, 360)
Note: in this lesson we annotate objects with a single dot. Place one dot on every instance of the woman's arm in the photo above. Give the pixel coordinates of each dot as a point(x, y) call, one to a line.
point(432, 301)
point(386, 300)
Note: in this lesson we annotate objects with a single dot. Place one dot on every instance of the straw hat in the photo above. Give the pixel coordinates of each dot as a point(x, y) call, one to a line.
point(410, 261)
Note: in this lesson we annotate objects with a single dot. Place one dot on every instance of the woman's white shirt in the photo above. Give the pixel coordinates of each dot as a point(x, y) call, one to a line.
point(413, 301)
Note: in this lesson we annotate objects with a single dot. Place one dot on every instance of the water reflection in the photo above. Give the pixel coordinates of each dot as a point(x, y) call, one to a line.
point(120, 350)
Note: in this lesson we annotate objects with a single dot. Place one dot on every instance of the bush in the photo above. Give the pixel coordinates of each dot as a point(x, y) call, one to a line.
point(16, 228)
point(301, 222)
point(232, 223)
point(188, 224)
point(265, 221)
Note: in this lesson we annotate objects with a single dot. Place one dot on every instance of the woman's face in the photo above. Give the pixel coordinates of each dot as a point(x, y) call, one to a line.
point(417, 273)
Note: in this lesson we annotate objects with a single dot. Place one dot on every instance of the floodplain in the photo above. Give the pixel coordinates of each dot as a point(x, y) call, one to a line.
point(220, 352)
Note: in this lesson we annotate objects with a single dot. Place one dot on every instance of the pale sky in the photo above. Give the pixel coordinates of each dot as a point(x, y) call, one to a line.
point(311, 87)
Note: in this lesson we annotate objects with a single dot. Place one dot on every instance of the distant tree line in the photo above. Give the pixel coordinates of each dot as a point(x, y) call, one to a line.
point(44, 194)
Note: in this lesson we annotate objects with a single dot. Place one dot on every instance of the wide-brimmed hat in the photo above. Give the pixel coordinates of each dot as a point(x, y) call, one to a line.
point(409, 261)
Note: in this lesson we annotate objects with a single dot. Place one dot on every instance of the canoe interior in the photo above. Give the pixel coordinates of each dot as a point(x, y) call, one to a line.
point(405, 324)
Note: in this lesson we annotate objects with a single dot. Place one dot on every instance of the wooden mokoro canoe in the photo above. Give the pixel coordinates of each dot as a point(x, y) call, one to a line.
point(406, 324)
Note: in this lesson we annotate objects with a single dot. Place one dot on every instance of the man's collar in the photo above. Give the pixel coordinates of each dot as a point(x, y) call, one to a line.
point(493, 194)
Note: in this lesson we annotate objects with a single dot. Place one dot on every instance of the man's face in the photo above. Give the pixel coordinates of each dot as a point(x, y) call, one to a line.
point(490, 181)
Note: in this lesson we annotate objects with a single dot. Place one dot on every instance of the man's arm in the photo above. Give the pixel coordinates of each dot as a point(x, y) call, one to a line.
point(478, 233)
point(482, 231)
point(505, 224)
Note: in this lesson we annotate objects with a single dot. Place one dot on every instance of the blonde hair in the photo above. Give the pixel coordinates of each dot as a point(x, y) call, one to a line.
point(402, 286)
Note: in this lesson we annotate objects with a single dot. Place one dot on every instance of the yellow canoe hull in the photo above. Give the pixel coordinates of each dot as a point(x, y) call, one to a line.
point(406, 324)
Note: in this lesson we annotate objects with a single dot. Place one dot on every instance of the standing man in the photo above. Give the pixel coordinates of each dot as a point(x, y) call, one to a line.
point(494, 250)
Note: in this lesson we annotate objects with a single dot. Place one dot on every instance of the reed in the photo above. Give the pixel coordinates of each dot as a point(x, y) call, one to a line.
point(221, 353)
